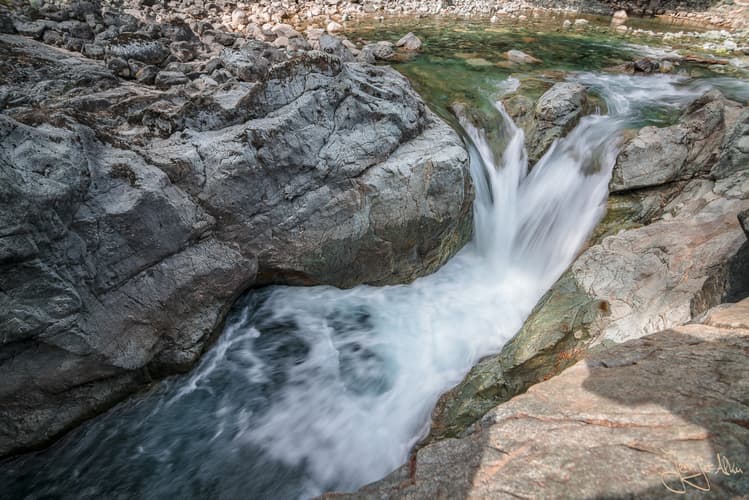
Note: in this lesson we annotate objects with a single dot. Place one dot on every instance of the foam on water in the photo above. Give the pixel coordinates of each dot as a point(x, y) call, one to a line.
point(375, 360)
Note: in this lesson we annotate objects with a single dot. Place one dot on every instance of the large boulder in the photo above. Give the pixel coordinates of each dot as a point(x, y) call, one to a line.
point(131, 217)
point(556, 112)
point(651, 418)
point(657, 156)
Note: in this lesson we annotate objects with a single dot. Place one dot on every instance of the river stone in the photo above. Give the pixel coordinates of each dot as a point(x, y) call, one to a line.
point(518, 56)
point(617, 424)
point(557, 112)
point(381, 50)
point(334, 46)
point(132, 217)
point(684, 150)
point(139, 47)
point(409, 42)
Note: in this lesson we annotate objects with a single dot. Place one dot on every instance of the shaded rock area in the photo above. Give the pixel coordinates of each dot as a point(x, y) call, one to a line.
point(665, 254)
point(656, 416)
point(149, 173)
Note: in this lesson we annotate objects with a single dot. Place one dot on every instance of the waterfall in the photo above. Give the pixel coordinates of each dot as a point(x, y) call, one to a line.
point(317, 389)
point(368, 364)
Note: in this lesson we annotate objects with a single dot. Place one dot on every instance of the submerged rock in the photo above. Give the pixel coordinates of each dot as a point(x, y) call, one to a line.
point(518, 56)
point(133, 216)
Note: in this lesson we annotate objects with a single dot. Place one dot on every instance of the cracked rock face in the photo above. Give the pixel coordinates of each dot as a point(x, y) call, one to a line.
point(134, 214)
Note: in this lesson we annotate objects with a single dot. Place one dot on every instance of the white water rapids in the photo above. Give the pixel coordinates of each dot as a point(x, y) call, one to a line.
point(372, 362)
point(317, 389)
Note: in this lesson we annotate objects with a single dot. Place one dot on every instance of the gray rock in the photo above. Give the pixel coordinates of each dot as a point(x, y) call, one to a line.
point(222, 37)
point(556, 113)
point(735, 149)
point(184, 51)
point(409, 42)
point(119, 67)
point(132, 217)
point(381, 50)
point(34, 29)
point(518, 56)
point(675, 252)
point(6, 24)
point(147, 74)
point(133, 46)
point(744, 221)
point(366, 55)
point(334, 46)
point(165, 79)
point(252, 62)
point(76, 29)
point(681, 151)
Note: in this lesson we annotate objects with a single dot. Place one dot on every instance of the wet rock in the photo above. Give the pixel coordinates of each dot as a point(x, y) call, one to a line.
point(333, 46)
point(409, 42)
point(553, 338)
point(518, 56)
point(556, 113)
point(677, 251)
point(646, 65)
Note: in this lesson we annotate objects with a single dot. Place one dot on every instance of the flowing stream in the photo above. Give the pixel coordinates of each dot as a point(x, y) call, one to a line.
point(317, 389)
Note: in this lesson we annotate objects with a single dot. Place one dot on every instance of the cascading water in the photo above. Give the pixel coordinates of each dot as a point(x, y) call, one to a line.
point(315, 389)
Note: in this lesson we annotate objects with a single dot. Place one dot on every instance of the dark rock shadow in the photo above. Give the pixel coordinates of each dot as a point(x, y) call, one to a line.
point(701, 379)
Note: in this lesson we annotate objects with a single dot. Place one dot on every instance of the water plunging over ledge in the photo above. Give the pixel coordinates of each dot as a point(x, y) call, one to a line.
point(315, 389)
